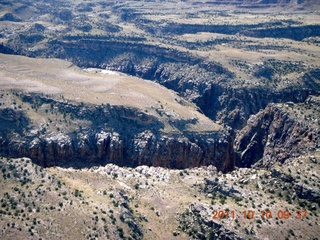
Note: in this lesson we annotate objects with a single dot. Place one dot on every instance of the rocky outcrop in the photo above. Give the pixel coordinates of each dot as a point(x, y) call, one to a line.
point(218, 92)
point(14, 118)
point(10, 17)
point(279, 132)
point(205, 83)
point(308, 192)
point(110, 134)
point(234, 106)
point(277, 29)
point(197, 222)
point(88, 149)
point(211, 86)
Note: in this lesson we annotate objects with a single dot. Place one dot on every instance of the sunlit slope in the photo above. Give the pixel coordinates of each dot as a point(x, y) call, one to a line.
point(61, 79)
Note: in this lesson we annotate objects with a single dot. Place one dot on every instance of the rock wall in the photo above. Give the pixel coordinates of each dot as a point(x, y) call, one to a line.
point(88, 149)
point(278, 133)
point(112, 134)
point(211, 86)
point(234, 106)
point(205, 83)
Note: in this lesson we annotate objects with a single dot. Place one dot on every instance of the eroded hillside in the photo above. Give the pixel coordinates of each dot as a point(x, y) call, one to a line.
point(226, 91)
point(61, 115)
point(228, 59)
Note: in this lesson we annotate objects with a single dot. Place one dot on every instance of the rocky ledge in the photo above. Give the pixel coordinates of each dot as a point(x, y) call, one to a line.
point(80, 135)
point(279, 132)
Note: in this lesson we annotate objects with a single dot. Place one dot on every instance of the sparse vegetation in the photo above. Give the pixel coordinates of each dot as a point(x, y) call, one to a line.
point(230, 61)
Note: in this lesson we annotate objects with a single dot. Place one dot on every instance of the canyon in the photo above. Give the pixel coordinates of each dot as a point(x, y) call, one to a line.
point(149, 116)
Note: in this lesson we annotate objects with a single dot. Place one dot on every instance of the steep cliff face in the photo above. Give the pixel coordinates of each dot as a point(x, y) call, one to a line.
point(88, 135)
point(104, 147)
point(216, 59)
point(279, 132)
point(271, 30)
point(234, 106)
point(215, 89)
point(180, 71)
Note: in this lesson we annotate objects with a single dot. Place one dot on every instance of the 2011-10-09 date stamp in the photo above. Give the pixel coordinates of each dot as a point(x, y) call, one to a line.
point(263, 214)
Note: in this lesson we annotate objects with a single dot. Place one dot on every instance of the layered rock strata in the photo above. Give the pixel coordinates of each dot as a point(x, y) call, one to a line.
point(279, 132)
point(109, 134)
